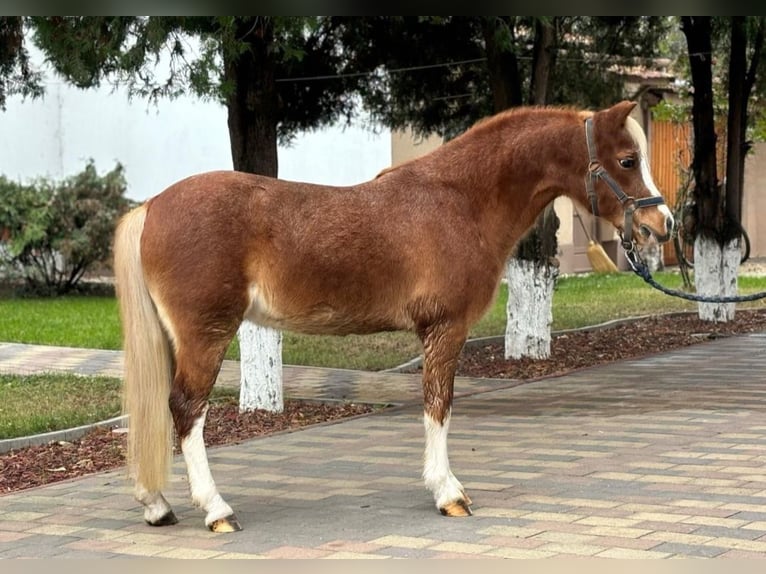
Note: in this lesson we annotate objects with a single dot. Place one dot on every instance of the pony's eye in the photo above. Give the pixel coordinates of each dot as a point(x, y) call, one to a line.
point(628, 162)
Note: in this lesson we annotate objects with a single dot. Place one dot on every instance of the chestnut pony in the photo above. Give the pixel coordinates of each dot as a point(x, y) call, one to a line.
point(421, 247)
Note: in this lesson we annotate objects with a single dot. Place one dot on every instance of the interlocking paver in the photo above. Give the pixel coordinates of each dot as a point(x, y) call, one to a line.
point(651, 458)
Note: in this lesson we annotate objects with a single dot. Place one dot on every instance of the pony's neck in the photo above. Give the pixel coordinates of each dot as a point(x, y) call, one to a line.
point(513, 165)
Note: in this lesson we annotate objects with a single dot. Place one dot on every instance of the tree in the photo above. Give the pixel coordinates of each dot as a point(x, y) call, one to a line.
point(439, 75)
point(16, 75)
point(716, 217)
point(53, 232)
point(532, 271)
point(245, 62)
point(597, 42)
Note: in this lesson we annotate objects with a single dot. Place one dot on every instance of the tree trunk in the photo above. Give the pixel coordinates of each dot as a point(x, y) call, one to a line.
point(261, 368)
point(502, 65)
point(719, 212)
point(712, 256)
point(737, 120)
point(529, 309)
point(543, 61)
point(715, 274)
point(253, 103)
point(532, 271)
point(253, 108)
point(708, 200)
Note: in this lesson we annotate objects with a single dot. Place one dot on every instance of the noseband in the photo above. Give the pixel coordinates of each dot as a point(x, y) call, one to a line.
point(629, 204)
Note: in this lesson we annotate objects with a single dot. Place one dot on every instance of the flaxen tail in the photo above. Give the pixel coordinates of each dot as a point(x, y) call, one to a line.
point(148, 363)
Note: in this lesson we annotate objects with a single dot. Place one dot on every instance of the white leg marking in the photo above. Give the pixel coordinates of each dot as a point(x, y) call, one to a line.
point(155, 505)
point(436, 470)
point(204, 492)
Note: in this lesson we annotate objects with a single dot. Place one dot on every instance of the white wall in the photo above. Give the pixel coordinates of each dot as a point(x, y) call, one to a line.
point(158, 145)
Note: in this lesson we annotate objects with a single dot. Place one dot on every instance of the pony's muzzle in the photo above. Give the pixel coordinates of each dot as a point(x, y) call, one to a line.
point(646, 232)
point(661, 233)
point(670, 224)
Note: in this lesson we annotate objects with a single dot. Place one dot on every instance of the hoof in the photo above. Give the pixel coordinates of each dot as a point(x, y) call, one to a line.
point(467, 499)
point(225, 524)
point(456, 508)
point(166, 520)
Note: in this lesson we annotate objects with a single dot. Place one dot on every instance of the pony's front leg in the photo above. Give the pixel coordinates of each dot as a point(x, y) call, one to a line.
point(441, 349)
point(219, 517)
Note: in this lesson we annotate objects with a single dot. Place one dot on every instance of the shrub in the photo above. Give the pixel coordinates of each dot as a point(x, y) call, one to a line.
point(51, 233)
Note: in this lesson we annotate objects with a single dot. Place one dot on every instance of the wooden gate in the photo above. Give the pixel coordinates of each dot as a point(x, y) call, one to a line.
point(670, 158)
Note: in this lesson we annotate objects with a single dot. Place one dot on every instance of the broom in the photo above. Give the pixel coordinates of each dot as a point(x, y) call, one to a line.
point(599, 260)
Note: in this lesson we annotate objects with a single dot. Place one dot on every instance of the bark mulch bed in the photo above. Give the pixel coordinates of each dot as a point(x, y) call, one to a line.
point(104, 449)
point(634, 338)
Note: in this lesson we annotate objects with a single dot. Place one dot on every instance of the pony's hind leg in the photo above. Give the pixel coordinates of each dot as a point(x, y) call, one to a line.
point(196, 371)
point(441, 346)
point(157, 511)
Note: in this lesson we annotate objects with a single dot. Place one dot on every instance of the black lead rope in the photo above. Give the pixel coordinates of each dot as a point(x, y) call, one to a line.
point(642, 270)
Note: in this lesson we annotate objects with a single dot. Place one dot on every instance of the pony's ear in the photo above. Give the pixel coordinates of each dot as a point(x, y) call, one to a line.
point(618, 113)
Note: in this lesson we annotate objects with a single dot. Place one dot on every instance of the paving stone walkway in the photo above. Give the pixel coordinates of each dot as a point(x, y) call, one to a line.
point(653, 458)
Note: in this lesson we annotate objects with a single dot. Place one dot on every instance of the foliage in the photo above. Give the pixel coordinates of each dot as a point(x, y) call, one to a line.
point(677, 50)
point(164, 57)
point(596, 52)
point(668, 111)
point(53, 232)
point(16, 75)
point(433, 73)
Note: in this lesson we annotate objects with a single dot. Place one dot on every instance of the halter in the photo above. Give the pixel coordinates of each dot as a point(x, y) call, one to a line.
point(629, 204)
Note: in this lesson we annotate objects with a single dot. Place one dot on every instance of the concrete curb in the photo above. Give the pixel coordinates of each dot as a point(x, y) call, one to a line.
point(60, 435)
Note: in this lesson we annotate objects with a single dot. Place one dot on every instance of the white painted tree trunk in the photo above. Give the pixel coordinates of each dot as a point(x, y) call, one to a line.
point(529, 309)
point(260, 352)
point(715, 274)
point(652, 254)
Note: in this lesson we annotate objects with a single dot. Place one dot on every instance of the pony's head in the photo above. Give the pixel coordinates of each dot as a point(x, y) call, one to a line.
point(618, 180)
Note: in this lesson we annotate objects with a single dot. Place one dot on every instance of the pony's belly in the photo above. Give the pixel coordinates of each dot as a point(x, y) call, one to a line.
point(321, 318)
point(260, 310)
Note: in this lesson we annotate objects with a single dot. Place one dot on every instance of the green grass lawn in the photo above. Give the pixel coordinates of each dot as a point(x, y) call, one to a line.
point(73, 321)
point(579, 300)
point(32, 404)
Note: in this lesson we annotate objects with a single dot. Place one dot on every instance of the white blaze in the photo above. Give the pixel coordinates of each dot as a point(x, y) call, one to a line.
point(639, 137)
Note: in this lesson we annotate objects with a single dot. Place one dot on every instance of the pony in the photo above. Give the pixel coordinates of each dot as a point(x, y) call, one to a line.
point(421, 247)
